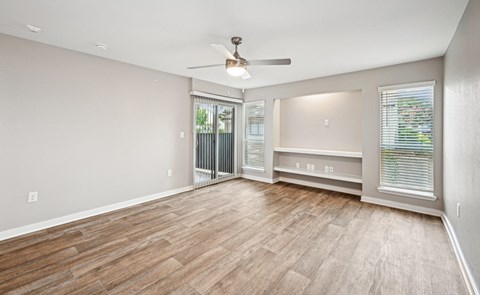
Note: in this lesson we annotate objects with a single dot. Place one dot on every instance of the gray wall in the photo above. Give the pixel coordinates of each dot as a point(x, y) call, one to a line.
point(367, 81)
point(85, 132)
point(302, 121)
point(462, 135)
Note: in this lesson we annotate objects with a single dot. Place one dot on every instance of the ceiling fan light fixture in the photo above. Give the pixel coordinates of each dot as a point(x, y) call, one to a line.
point(236, 68)
point(236, 71)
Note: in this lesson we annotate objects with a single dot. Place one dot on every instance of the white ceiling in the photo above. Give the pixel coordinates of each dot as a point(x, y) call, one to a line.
point(321, 37)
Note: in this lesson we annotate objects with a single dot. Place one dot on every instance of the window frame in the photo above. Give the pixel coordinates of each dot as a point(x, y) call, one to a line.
point(407, 192)
point(244, 139)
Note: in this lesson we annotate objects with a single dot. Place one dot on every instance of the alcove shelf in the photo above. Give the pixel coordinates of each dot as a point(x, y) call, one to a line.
point(323, 132)
point(316, 173)
point(347, 154)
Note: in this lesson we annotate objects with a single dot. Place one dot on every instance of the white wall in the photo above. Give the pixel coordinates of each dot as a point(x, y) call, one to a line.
point(85, 132)
point(368, 81)
point(462, 135)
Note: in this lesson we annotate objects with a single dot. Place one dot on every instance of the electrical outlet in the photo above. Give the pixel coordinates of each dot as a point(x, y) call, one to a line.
point(182, 134)
point(327, 122)
point(169, 172)
point(326, 169)
point(308, 166)
point(330, 169)
point(312, 167)
point(458, 210)
point(297, 165)
point(32, 197)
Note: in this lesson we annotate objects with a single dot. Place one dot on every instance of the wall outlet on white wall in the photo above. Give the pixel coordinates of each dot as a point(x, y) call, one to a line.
point(312, 167)
point(309, 166)
point(327, 122)
point(297, 165)
point(458, 210)
point(182, 134)
point(169, 172)
point(328, 169)
point(32, 197)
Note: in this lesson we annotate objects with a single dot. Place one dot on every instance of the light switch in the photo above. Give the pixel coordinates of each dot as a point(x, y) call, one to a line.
point(182, 134)
point(327, 122)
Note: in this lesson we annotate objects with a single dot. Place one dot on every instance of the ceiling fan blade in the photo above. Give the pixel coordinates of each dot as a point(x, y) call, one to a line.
point(246, 75)
point(269, 62)
point(204, 67)
point(223, 50)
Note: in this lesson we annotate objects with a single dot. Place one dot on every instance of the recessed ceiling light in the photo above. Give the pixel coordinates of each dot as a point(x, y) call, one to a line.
point(102, 46)
point(34, 29)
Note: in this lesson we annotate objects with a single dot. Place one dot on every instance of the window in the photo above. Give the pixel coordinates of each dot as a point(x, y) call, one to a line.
point(406, 140)
point(253, 140)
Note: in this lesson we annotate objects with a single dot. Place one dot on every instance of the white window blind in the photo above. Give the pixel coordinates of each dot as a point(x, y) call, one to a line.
point(253, 142)
point(407, 137)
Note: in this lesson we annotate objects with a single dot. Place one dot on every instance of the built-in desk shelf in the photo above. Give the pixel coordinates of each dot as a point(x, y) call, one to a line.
point(316, 173)
point(347, 154)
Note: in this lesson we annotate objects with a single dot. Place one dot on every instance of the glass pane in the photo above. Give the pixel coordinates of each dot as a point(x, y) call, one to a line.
point(205, 149)
point(254, 150)
point(226, 143)
point(407, 138)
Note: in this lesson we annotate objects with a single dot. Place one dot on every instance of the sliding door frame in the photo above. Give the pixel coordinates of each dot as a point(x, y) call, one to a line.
point(217, 100)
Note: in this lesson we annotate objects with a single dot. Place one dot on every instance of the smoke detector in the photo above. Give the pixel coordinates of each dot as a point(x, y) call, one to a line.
point(34, 29)
point(102, 46)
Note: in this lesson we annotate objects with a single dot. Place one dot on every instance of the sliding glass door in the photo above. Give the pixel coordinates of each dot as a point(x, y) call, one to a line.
point(214, 141)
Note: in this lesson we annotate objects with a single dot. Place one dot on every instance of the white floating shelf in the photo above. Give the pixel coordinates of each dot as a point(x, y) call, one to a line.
point(319, 152)
point(335, 176)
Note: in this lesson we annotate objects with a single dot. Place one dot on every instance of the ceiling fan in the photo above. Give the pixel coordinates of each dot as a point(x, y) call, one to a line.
point(236, 65)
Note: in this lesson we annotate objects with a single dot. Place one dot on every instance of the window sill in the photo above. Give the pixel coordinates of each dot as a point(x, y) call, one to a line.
point(407, 193)
point(260, 170)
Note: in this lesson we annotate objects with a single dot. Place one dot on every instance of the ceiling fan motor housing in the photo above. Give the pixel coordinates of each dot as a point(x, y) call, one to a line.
point(239, 63)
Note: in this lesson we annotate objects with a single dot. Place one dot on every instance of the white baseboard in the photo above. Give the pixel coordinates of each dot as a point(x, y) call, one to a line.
point(467, 274)
point(261, 179)
point(403, 206)
point(321, 185)
point(88, 213)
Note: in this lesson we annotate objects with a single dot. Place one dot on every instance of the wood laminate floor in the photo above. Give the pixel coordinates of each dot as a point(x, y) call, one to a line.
point(238, 237)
